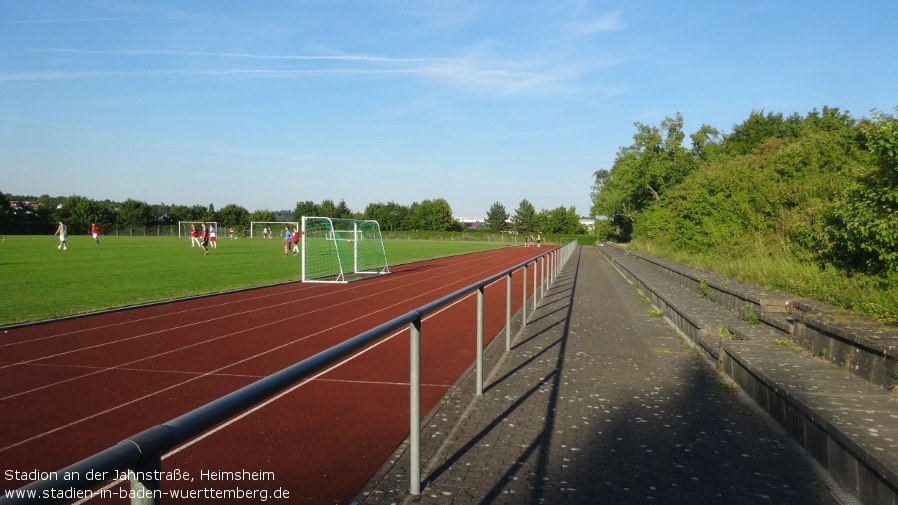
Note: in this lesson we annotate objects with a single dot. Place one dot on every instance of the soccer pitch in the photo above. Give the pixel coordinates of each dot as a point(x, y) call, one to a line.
point(40, 281)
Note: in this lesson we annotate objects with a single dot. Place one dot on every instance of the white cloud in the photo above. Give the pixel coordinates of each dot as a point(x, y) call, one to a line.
point(610, 22)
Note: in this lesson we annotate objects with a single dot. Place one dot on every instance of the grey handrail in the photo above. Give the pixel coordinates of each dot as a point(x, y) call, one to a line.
point(140, 455)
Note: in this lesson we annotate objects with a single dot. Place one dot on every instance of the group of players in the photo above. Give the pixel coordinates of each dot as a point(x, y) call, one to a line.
point(63, 232)
point(529, 240)
point(206, 238)
point(291, 241)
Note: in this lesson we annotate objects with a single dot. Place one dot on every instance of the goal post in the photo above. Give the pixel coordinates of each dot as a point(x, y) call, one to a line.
point(184, 227)
point(270, 229)
point(341, 250)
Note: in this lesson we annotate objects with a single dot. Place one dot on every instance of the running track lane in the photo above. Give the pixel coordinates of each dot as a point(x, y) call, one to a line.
point(71, 388)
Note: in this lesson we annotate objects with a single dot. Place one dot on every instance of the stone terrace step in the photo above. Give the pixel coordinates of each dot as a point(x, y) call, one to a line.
point(849, 425)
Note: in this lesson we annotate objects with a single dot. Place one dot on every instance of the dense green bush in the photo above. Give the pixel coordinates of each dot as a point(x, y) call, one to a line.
point(820, 189)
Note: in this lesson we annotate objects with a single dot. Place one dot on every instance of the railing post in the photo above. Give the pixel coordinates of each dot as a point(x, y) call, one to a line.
point(524, 305)
point(508, 312)
point(554, 265)
point(480, 340)
point(415, 407)
point(542, 277)
point(145, 490)
point(535, 268)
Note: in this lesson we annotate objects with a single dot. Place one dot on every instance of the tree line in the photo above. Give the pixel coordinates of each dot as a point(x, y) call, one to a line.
point(31, 214)
point(824, 184)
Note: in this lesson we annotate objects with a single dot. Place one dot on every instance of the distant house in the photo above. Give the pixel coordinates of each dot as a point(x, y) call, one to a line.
point(470, 223)
point(589, 224)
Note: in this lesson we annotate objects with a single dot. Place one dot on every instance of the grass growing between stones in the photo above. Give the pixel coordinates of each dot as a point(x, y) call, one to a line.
point(773, 266)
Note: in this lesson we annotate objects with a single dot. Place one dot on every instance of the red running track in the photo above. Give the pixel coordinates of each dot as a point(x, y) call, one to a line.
point(69, 389)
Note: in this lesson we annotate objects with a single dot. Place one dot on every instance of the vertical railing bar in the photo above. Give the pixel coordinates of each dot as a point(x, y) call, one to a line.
point(145, 488)
point(508, 312)
point(415, 407)
point(480, 340)
point(535, 269)
point(542, 277)
point(524, 304)
point(554, 266)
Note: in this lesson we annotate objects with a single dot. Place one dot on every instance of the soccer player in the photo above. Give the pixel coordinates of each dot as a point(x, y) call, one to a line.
point(194, 239)
point(212, 241)
point(295, 241)
point(204, 240)
point(95, 232)
point(288, 240)
point(62, 232)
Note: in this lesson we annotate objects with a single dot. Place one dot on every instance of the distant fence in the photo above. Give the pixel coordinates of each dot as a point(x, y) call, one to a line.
point(172, 231)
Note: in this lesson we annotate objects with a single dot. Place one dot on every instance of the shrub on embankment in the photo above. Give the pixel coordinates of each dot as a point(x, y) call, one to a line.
point(806, 204)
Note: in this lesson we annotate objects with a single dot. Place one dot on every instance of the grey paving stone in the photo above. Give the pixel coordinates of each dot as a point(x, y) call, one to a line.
point(599, 402)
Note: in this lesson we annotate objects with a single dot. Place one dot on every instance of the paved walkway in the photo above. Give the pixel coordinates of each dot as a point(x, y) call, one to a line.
point(599, 401)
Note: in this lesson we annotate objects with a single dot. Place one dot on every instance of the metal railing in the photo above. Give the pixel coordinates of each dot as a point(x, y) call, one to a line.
point(140, 456)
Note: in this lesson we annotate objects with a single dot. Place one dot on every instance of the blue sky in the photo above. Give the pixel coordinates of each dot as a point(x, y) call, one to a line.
point(267, 103)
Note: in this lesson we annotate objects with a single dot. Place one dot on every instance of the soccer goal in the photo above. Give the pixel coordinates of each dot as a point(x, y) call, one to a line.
point(270, 229)
point(184, 227)
point(341, 250)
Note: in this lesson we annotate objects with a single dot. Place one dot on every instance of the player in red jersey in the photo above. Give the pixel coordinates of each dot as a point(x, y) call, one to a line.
point(194, 238)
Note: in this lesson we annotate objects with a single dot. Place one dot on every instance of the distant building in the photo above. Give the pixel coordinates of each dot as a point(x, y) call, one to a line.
point(589, 224)
point(470, 223)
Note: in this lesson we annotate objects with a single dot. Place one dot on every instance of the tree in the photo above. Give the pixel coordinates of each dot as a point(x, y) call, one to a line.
point(755, 130)
point(572, 222)
point(210, 214)
point(79, 212)
point(4, 208)
point(391, 216)
point(560, 220)
point(328, 209)
point(307, 208)
point(609, 199)
point(178, 213)
point(645, 171)
point(342, 211)
point(234, 215)
point(196, 213)
point(497, 218)
point(861, 229)
point(706, 142)
point(262, 215)
point(432, 215)
point(135, 214)
point(524, 217)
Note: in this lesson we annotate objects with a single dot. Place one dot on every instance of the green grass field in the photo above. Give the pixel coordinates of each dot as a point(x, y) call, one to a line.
point(40, 282)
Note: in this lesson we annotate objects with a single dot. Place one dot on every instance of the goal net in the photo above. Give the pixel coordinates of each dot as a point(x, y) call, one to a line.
point(341, 250)
point(184, 228)
point(270, 229)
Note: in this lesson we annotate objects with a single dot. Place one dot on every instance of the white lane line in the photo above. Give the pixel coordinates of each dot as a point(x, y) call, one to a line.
point(198, 343)
point(272, 399)
point(193, 379)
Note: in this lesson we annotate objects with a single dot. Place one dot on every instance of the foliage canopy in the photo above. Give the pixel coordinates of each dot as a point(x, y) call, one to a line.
point(824, 186)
